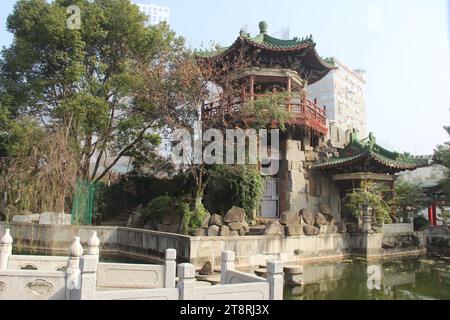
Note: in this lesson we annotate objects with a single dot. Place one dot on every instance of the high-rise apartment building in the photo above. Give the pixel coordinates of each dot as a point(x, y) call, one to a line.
point(342, 92)
point(156, 14)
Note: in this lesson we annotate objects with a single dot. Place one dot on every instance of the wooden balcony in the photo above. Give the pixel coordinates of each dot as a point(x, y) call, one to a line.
point(306, 112)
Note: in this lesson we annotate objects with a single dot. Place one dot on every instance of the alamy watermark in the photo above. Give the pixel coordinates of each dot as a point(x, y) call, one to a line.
point(73, 22)
point(211, 147)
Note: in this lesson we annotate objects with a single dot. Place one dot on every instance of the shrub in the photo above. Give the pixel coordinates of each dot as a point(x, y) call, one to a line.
point(420, 223)
point(358, 198)
point(135, 189)
point(239, 185)
point(193, 214)
point(158, 207)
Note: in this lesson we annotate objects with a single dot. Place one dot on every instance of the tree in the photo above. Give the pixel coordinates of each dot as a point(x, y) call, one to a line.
point(442, 157)
point(86, 79)
point(409, 198)
point(371, 196)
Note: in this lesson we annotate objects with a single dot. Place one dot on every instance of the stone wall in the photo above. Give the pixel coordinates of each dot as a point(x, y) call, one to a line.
point(297, 181)
point(135, 243)
point(250, 250)
point(395, 228)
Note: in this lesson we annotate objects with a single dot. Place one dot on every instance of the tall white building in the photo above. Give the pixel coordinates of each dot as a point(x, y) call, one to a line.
point(156, 14)
point(342, 91)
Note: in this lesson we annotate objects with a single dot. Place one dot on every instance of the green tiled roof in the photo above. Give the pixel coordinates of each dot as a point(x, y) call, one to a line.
point(263, 40)
point(358, 150)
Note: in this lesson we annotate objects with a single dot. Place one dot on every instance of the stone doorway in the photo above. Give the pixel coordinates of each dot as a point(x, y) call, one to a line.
point(270, 202)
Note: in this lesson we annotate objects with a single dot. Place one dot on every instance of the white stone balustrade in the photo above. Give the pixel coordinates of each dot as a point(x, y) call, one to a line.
point(186, 282)
point(228, 258)
point(93, 245)
point(170, 268)
point(73, 279)
point(5, 249)
point(79, 281)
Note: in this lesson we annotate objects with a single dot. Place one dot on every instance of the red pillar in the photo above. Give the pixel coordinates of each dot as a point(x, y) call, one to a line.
point(434, 213)
point(430, 216)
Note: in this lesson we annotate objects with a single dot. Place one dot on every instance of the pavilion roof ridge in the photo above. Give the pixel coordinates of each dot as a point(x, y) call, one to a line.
point(358, 149)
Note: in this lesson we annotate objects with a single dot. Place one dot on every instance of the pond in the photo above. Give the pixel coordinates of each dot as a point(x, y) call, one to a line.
point(423, 278)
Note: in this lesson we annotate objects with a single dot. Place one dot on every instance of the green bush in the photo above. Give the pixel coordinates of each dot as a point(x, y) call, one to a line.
point(134, 189)
point(420, 223)
point(358, 198)
point(158, 207)
point(193, 219)
point(239, 185)
point(193, 214)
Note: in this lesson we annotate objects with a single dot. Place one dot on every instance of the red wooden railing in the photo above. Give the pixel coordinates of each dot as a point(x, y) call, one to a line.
point(306, 112)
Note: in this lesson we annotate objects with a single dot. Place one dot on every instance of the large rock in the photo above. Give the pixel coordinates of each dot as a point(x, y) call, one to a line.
point(207, 269)
point(310, 230)
point(307, 216)
point(341, 228)
point(199, 233)
point(236, 226)
point(234, 233)
point(331, 219)
point(206, 220)
point(213, 231)
point(320, 220)
point(294, 230)
point(245, 226)
point(332, 229)
point(235, 214)
point(242, 232)
point(224, 231)
point(290, 218)
point(60, 219)
point(135, 220)
point(30, 218)
point(324, 209)
point(274, 227)
point(216, 219)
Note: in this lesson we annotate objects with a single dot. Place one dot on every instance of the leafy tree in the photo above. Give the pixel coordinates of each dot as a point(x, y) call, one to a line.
point(409, 198)
point(85, 80)
point(239, 185)
point(442, 157)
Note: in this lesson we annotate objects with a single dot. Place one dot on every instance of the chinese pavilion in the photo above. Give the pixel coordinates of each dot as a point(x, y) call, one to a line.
point(364, 161)
point(271, 65)
point(312, 173)
point(276, 65)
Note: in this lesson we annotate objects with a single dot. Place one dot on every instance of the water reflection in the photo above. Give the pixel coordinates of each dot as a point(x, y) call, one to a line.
point(405, 279)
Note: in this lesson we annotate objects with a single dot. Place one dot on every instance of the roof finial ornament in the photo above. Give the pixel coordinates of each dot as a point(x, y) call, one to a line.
point(372, 140)
point(263, 27)
point(353, 135)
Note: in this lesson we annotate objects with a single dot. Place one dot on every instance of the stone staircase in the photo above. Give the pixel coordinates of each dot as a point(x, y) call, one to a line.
point(118, 221)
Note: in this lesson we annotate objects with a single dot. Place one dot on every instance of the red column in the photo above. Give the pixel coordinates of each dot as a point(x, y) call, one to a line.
point(433, 205)
point(430, 216)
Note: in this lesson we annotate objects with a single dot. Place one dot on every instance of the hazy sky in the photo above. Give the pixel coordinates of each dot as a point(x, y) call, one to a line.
point(404, 45)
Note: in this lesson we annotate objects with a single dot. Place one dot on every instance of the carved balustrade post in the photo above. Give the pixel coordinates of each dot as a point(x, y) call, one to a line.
point(5, 249)
point(228, 258)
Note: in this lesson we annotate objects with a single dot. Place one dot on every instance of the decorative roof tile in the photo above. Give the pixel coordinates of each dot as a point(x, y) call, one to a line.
point(361, 150)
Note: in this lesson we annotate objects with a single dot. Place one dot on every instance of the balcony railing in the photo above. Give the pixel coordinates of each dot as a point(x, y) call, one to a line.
point(306, 112)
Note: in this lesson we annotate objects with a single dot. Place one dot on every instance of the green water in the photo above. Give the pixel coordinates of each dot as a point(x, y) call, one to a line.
point(423, 278)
